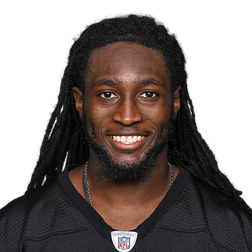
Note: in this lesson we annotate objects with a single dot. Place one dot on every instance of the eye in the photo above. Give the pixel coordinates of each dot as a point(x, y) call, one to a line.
point(148, 95)
point(108, 95)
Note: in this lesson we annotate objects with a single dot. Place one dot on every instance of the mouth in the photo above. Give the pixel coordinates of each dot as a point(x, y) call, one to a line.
point(128, 142)
point(127, 139)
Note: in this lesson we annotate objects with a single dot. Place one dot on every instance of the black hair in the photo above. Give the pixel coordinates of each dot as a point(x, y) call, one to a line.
point(65, 143)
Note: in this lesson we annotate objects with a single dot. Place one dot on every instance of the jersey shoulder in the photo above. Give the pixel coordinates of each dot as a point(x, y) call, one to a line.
point(41, 213)
point(228, 218)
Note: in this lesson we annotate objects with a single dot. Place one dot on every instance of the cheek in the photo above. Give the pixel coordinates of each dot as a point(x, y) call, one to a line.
point(159, 115)
point(92, 111)
point(98, 115)
point(97, 118)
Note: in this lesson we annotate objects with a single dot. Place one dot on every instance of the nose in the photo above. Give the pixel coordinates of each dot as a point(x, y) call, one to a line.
point(127, 112)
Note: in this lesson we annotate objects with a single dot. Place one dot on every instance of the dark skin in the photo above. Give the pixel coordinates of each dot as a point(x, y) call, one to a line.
point(127, 94)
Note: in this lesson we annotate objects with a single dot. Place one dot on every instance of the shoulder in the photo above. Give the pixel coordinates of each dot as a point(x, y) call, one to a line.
point(28, 202)
point(18, 208)
point(229, 219)
point(18, 215)
point(210, 216)
point(217, 201)
point(15, 216)
point(37, 214)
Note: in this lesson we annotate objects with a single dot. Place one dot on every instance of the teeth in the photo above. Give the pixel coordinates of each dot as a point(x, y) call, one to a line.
point(123, 139)
point(127, 140)
point(134, 139)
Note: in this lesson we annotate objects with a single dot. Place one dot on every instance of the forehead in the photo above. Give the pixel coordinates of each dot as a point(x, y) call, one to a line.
point(118, 58)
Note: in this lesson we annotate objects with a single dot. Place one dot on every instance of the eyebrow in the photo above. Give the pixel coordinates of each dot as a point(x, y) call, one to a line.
point(145, 81)
point(150, 81)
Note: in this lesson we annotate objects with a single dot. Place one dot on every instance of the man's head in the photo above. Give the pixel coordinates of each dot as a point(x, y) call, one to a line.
point(143, 30)
point(128, 104)
point(65, 140)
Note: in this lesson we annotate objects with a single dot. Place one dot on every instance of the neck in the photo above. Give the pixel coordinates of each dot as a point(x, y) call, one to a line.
point(134, 199)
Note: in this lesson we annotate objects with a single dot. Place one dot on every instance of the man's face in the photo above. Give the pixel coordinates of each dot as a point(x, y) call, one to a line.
point(127, 102)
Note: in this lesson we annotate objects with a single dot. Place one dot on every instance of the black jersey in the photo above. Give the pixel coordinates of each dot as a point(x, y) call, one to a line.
point(193, 216)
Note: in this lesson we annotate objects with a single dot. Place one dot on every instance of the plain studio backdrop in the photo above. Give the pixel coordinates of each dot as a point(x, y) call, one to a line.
point(35, 40)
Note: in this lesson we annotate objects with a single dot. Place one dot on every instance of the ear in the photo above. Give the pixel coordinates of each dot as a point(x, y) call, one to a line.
point(176, 100)
point(78, 96)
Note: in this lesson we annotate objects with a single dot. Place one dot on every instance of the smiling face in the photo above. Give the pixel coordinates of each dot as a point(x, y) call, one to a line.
point(128, 102)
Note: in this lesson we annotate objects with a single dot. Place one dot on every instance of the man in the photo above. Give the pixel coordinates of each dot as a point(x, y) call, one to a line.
point(138, 176)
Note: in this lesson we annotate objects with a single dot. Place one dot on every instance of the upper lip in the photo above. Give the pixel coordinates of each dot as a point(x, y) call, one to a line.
point(128, 134)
